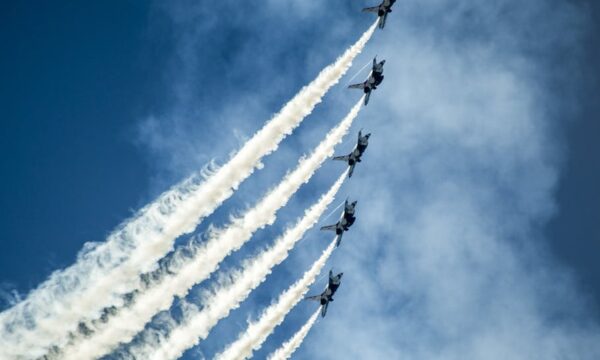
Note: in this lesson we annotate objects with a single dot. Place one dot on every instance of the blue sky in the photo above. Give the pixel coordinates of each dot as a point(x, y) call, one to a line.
point(481, 168)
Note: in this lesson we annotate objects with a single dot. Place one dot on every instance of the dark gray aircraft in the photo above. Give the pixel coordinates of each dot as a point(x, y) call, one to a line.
point(344, 223)
point(356, 154)
point(327, 296)
point(375, 78)
point(382, 11)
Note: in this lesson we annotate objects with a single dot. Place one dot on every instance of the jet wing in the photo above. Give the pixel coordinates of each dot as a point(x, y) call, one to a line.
point(342, 158)
point(357, 86)
point(316, 298)
point(324, 309)
point(371, 9)
point(329, 227)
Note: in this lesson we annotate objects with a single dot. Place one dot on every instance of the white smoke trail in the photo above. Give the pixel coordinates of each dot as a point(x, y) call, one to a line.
point(333, 211)
point(102, 275)
point(289, 347)
point(257, 332)
point(358, 73)
point(171, 344)
point(131, 320)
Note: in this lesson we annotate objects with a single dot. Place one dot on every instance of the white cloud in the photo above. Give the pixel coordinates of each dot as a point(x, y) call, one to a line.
point(446, 260)
point(457, 268)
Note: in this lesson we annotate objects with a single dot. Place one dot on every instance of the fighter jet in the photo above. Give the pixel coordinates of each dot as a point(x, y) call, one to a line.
point(375, 78)
point(327, 295)
point(344, 223)
point(382, 11)
point(356, 154)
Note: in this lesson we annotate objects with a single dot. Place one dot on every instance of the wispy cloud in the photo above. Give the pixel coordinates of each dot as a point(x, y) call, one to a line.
point(447, 259)
point(104, 272)
point(196, 325)
point(159, 296)
point(457, 265)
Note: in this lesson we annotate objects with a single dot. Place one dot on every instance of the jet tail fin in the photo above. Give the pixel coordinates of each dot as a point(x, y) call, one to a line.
point(367, 96)
point(350, 171)
point(338, 239)
point(324, 309)
point(382, 20)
